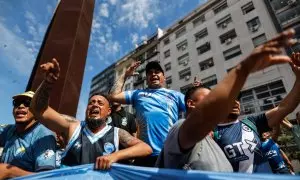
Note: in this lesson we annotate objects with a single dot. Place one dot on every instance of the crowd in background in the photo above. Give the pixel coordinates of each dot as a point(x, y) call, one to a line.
point(211, 137)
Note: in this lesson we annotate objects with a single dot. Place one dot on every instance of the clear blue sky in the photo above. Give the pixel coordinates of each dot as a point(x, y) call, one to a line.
point(117, 26)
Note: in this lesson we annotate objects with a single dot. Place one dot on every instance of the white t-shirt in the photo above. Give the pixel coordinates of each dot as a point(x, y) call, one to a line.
point(205, 155)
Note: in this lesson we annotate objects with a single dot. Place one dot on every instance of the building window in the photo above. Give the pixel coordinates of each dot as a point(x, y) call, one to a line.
point(281, 4)
point(167, 53)
point(228, 37)
point(184, 59)
point(232, 52)
point(142, 57)
point(262, 98)
point(223, 22)
point(253, 24)
point(223, 5)
point(166, 41)
point(168, 66)
point(182, 45)
point(259, 40)
point(185, 88)
point(180, 32)
point(290, 16)
point(169, 81)
point(199, 20)
point(152, 52)
point(206, 64)
point(185, 74)
point(210, 81)
point(201, 34)
point(248, 7)
point(203, 48)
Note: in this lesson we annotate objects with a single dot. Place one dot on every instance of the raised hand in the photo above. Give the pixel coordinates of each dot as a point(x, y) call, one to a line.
point(51, 70)
point(197, 82)
point(105, 162)
point(269, 53)
point(131, 70)
point(295, 65)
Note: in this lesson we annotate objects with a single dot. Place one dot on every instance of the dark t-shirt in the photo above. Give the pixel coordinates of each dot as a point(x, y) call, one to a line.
point(242, 146)
point(123, 120)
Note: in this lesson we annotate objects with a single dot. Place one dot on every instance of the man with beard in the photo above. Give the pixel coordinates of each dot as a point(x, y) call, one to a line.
point(240, 139)
point(122, 119)
point(157, 108)
point(89, 141)
point(29, 146)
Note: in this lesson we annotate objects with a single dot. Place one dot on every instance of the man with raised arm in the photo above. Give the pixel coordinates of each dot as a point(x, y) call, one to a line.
point(89, 141)
point(244, 149)
point(205, 155)
point(157, 108)
point(219, 102)
point(28, 146)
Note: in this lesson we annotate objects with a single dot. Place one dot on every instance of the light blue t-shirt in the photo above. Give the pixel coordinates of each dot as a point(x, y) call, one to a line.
point(33, 150)
point(156, 112)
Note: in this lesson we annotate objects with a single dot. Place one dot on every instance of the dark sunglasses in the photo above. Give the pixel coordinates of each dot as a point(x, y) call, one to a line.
point(18, 102)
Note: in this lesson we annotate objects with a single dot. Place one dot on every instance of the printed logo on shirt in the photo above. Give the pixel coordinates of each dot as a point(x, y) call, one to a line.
point(145, 94)
point(77, 145)
point(246, 128)
point(20, 150)
point(124, 121)
point(236, 150)
point(108, 148)
point(49, 153)
point(271, 154)
point(108, 120)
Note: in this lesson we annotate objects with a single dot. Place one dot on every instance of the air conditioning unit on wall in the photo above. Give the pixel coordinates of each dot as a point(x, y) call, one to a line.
point(254, 28)
point(185, 63)
point(228, 41)
point(224, 25)
point(187, 78)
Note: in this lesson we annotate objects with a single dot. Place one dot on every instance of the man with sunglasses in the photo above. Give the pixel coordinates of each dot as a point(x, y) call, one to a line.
point(28, 146)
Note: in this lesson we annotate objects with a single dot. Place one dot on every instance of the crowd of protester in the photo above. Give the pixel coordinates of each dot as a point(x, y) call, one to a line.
point(43, 139)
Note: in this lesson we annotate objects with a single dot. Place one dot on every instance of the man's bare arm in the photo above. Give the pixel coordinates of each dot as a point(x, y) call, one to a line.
point(276, 132)
point(134, 147)
point(116, 93)
point(285, 107)
point(286, 159)
point(10, 171)
point(287, 124)
point(45, 114)
point(204, 118)
point(291, 101)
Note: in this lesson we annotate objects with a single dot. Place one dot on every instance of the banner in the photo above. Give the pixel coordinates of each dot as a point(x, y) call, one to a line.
point(119, 171)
